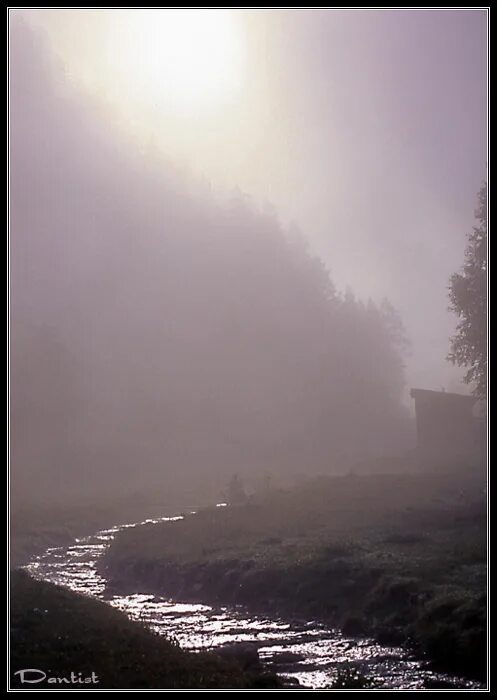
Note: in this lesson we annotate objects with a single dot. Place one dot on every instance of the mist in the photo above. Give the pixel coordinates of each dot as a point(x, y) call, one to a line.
point(365, 128)
point(161, 332)
point(248, 338)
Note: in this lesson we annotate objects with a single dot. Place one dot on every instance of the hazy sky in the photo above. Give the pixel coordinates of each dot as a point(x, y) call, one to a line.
point(365, 128)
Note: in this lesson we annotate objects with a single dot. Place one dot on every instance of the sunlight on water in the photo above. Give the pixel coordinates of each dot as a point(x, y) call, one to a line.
point(307, 651)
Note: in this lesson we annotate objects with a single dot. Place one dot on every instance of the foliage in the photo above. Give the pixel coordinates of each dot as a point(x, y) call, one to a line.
point(453, 629)
point(468, 299)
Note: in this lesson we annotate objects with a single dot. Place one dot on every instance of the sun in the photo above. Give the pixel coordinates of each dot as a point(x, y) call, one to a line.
point(180, 57)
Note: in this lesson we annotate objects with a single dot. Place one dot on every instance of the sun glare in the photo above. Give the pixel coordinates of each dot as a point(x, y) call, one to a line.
point(181, 57)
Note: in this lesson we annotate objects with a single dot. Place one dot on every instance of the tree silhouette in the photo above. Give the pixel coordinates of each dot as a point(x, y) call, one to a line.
point(468, 299)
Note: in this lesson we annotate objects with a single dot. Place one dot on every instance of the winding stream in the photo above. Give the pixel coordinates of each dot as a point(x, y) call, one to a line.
point(309, 652)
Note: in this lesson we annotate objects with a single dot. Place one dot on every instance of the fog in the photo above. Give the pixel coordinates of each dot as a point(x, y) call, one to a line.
point(163, 330)
point(366, 128)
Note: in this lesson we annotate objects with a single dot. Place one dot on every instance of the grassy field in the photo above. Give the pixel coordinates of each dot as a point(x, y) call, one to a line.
point(402, 558)
point(36, 527)
point(58, 632)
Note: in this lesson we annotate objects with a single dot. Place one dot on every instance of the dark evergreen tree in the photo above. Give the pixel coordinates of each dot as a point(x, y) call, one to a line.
point(468, 299)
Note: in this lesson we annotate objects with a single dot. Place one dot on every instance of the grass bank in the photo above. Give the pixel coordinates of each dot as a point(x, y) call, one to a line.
point(401, 558)
point(60, 633)
point(35, 527)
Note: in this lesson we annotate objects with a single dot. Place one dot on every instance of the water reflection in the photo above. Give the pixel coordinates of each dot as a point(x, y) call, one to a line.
point(309, 652)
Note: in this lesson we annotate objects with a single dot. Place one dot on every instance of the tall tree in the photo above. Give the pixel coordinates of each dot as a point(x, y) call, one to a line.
point(468, 299)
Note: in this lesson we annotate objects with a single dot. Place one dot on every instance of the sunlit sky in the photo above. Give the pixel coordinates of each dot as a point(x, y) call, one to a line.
point(365, 128)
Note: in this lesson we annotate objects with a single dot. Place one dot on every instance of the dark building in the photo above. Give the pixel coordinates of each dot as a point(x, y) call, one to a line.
point(449, 433)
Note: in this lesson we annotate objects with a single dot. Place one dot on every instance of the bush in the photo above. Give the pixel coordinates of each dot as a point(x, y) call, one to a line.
point(453, 630)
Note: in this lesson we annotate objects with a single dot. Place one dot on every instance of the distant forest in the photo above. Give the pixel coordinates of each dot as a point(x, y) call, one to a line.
point(157, 329)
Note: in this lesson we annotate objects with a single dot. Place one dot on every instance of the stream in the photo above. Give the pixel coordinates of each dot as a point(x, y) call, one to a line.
point(309, 652)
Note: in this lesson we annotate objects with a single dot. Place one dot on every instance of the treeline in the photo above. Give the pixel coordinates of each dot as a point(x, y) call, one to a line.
point(157, 330)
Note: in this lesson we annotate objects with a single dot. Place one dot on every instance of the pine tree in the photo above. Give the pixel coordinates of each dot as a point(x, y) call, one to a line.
point(468, 299)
